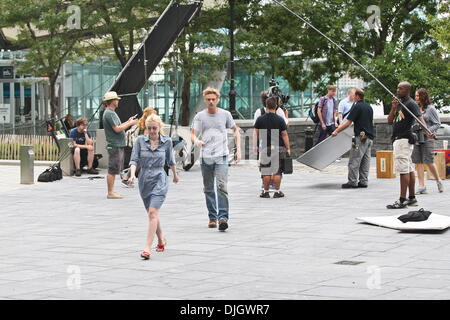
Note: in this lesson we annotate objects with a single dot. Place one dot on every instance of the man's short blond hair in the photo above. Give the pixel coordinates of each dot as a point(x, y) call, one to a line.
point(331, 87)
point(211, 91)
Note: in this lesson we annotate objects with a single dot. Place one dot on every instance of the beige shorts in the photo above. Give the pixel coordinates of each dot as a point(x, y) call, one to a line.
point(402, 156)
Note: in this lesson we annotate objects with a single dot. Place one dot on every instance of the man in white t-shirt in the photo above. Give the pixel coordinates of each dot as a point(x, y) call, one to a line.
point(209, 132)
point(260, 111)
point(345, 105)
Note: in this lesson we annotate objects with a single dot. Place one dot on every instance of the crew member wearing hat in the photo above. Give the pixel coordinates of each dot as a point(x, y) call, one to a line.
point(115, 140)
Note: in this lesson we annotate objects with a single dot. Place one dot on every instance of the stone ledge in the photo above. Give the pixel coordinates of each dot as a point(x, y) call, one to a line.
point(17, 163)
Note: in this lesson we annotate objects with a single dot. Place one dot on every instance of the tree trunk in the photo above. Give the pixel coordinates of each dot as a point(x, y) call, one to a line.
point(53, 100)
point(185, 97)
point(186, 91)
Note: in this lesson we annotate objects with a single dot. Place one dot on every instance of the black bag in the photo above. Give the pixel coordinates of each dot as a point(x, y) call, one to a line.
point(46, 176)
point(51, 174)
point(288, 167)
point(313, 113)
point(415, 216)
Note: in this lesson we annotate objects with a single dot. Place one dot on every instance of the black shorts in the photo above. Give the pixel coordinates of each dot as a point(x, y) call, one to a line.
point(266, 168)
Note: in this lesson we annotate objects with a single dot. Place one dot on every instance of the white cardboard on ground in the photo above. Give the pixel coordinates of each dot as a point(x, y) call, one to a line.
point(434, 222)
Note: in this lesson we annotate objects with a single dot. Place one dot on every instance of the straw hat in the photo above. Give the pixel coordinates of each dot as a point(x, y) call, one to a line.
point(111, 95)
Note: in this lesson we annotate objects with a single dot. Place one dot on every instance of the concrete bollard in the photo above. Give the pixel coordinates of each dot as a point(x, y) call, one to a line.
point(67, 165)
point(26, 165)
point(309, 138)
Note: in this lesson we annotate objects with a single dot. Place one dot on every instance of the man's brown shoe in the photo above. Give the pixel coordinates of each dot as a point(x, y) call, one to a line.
point(212, 224)
point(92, 171)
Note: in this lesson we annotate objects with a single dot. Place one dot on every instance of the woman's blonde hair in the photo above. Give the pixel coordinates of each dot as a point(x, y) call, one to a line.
point(155, 118)
point(147, 111)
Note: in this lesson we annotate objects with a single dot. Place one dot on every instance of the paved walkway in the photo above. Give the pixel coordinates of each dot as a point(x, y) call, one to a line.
point(65, 240)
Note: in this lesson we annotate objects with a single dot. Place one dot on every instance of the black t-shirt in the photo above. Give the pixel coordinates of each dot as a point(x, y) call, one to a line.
point(403, 121)
point(362, 116)
point(265, 124)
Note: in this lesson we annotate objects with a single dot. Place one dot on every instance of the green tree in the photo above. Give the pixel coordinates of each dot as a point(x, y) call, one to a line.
point(272, 31)
point(198, 52)
point(121, 25)
point(440, 27)
point(51, 40)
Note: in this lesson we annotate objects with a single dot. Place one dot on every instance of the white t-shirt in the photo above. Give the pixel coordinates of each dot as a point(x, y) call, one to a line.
point(212, 129)
point(279, 112)
point(344, 108)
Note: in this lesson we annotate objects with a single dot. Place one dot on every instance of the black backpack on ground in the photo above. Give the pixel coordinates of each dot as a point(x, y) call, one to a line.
point(51, 174)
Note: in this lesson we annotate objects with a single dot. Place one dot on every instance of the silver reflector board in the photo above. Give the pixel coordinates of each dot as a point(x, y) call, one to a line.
point(328, 151)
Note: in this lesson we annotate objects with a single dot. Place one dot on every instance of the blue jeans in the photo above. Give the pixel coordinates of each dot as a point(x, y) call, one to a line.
point(215, 170)
point(323, 134)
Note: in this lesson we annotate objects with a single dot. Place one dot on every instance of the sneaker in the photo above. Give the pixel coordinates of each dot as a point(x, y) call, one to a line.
point(223, 225)
point(440, 186)
point(114, 196)
point(264, 194)
point(78, 173)
point(212, 223)
point(361, 185)
point(278, 194)
point(397, 205)
point(422, 190)
point(412, 202)
point(92, 171)
point(348, 186)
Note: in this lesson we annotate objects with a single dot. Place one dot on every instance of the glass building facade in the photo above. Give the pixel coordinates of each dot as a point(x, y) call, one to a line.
point(81, 88)
point(84, 85)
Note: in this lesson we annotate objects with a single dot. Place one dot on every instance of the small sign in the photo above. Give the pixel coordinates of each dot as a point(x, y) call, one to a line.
point(4, 113)
point(7, 72)
point(383, 164)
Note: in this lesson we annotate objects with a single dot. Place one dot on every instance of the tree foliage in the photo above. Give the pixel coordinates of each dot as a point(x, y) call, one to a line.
point(389, 52)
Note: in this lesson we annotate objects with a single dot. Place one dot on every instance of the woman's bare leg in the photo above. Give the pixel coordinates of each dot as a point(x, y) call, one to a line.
point(152, 227)
point(159, 234)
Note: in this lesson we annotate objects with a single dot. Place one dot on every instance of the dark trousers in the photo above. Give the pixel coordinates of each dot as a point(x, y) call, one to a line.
point(323, 134)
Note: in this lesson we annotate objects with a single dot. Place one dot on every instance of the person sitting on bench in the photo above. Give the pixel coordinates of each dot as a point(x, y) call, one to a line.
point(83, 151)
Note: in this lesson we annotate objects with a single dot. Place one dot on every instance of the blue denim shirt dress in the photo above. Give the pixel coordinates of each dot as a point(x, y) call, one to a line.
point(153, 180)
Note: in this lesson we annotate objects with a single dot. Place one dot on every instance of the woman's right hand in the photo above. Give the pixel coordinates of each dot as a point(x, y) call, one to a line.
point(131, 179)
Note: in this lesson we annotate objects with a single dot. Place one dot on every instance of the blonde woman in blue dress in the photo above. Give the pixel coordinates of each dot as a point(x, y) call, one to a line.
point(151, 152)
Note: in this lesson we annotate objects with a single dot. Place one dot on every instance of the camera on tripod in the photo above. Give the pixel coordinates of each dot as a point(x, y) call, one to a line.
point(275, 91)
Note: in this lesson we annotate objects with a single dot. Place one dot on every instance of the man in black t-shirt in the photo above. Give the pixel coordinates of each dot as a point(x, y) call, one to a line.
point(361, 114)
point(403, 143)
point(271, 139)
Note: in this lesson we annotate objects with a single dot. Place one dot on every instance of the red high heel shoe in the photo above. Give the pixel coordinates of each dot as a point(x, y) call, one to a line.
point(145, 255)
point(161, 248)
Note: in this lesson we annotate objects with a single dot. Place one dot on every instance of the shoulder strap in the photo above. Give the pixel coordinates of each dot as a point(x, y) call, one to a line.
point(345, 114)
point(263, 111)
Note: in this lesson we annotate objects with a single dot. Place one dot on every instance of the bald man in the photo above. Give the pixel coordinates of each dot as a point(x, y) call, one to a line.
point(403, 143)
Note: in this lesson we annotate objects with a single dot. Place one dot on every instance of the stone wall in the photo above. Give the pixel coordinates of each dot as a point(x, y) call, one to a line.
point(297, 126)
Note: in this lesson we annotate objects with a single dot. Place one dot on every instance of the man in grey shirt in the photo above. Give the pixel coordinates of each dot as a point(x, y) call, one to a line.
point(209, 132)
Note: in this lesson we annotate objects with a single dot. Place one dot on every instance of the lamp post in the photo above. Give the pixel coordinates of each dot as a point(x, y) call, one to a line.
point(232, 93)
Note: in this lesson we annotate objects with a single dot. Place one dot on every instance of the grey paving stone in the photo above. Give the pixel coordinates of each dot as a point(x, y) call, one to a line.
point(274, 248)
